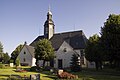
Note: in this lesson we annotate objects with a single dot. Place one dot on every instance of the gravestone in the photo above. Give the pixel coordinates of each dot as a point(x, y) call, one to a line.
point(11, 65)
point(35, 77)
point(60, 71)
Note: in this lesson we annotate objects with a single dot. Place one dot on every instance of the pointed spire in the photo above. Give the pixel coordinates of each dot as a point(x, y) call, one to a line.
point(49, 12)
point(49, 8)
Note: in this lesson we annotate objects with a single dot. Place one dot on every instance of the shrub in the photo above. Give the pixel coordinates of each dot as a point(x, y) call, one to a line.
point(14, 77)
point(17, 62)
point(24, 64)
point(1, 65)
point(47, 68)
point(11, 61)
point(4, 66)
point(36, 68)
point(66, 75)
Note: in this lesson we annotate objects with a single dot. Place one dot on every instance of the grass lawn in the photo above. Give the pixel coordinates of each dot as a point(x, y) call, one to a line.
point(5, 73)
point(86, 74)
point(92, 74)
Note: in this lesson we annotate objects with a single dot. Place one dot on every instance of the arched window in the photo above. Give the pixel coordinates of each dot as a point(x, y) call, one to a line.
point(24, 59)
point(24, 52)
point(65, 50)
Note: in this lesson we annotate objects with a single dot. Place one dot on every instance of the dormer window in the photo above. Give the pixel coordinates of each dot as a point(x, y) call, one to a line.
point(65, 50)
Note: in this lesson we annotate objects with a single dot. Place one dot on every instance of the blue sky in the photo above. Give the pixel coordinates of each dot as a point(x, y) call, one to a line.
point(23, 20)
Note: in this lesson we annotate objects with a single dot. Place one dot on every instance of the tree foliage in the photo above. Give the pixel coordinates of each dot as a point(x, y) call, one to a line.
point(6, 58)
point(44, 51)
point(110, 38)
point(93, 52)
point(1, 52)
point(17, 61)
point(75, 63)
point(16, 52)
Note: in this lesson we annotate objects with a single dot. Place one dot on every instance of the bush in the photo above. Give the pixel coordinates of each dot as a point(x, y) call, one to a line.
point(24, 64)
point(1, 65)
point(15, 77)
point(76, 68)
point(36, 68)
point(47, 68)
point(11, 61)
point(17, 62)
point(66, 75)
point(4, 66)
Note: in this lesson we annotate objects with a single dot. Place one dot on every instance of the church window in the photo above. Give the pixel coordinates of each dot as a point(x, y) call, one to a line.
point(82, 60)
point(65, 49)
point(46, 31)
point(82, 52)
point(24, 59)
point(24, 52)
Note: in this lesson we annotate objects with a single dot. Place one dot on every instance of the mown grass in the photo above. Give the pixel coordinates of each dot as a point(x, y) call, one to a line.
point(5, 73)
point(85, 74)
point(92, 74)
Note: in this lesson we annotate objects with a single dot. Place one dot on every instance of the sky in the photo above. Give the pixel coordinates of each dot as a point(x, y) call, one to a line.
point(23, 20)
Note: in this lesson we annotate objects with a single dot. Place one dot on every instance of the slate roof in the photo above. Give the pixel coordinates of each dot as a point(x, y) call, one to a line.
point(76, 39)
point(31, 50)
point(37, 39)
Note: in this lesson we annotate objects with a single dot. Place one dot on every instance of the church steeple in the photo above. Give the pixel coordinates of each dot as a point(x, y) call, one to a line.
point(49, 25)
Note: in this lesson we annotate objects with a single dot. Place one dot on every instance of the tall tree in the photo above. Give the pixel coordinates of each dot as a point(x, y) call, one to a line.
point(1, 52)
point(16, 52)
point(110, 38)
point(75, 63)
point(44, 51)
point(6, 58)
point(93, 52)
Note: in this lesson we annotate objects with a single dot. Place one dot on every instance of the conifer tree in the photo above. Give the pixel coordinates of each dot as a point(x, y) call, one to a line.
point(75, 63)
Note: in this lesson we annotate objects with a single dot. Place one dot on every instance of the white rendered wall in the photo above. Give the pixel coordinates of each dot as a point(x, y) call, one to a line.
point(28, 57)
point(65, 56)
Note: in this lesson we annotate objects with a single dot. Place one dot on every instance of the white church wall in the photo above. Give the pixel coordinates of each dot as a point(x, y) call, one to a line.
point(65, 53)
point(25, 56)
point(33, 62)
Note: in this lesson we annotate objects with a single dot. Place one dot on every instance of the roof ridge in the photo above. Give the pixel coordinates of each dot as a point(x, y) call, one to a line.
point(69, 32)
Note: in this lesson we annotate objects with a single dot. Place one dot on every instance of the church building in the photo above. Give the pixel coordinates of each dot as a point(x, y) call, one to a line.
point(65, 45)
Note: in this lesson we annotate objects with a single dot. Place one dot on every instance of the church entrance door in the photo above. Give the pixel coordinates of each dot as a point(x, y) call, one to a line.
point(60, 63)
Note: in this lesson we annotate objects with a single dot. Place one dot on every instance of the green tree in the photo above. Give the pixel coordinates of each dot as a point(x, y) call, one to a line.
point(93, 51)
point(44, 51)
point(16, 52)
point(1, 52)
point(110, 39)
point(6, 58)
point(75, 63)
point(17, 61)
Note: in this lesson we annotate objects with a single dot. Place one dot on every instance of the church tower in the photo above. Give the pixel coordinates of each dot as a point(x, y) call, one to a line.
point(49, 26)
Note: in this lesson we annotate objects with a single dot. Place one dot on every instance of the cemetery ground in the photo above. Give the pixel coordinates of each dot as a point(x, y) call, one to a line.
point(85, 74)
